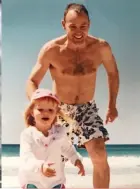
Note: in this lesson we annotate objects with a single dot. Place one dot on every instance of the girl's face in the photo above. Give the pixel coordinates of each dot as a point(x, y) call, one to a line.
point(44, 113)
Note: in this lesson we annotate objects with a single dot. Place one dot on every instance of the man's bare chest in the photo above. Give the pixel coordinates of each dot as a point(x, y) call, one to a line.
point(77, 64)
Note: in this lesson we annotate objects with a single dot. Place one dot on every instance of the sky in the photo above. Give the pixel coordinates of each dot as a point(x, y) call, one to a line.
point(28, 25)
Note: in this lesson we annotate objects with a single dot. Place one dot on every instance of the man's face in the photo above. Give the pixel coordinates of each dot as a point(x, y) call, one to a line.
point(76, 26)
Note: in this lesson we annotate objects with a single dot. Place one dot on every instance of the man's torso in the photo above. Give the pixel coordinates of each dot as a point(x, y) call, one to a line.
point(74, 72)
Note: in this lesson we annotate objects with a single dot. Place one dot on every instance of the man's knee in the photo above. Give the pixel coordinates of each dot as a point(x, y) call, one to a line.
point(97, 152)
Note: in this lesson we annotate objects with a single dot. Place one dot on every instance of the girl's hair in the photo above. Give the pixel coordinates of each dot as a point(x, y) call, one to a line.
point(29, 119)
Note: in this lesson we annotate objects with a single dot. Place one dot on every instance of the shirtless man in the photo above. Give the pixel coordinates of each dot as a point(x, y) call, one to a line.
point(73, 61)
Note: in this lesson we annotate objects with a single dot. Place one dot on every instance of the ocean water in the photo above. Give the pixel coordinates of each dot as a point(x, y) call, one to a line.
point(124, 161)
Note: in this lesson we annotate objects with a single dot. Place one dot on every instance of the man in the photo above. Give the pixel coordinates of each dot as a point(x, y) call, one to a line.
point(73, 61)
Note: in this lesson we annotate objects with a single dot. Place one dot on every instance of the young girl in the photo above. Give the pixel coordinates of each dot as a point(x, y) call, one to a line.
point(43, 144)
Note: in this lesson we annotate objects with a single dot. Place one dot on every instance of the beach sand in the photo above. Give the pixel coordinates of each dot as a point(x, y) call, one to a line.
point(125, 173)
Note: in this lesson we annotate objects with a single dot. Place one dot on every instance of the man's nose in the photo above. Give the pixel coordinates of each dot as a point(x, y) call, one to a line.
point(78, 32)
point(78, 29)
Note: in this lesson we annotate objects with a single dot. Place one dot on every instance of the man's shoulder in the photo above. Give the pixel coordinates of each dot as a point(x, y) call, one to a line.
point(97, 40)
point(54, 43)
point(102, 45)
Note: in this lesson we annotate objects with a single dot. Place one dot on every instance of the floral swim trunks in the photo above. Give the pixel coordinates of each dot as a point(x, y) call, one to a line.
point(88, 124)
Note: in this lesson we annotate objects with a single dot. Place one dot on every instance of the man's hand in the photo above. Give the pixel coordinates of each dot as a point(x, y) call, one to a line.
point(112, 114)
point(79, 164)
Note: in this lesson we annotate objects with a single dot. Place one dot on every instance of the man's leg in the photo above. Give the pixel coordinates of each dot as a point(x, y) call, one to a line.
point(97, 152)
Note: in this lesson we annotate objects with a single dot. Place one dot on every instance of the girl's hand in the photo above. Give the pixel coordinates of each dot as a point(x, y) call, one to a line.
point(47, 171)
point(79, 164)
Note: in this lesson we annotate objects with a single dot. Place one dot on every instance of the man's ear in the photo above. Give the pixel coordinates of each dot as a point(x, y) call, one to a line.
point(63, 24)
point(89, 24)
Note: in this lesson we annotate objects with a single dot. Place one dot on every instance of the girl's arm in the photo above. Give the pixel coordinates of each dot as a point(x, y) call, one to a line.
point(69, 151)
point(28, 160)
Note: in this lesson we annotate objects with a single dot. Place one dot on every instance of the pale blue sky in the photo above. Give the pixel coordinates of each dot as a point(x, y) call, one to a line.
point(27, 25)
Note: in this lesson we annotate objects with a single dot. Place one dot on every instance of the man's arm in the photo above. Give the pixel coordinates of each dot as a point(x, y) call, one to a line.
point(110, 65)
point(39, 70)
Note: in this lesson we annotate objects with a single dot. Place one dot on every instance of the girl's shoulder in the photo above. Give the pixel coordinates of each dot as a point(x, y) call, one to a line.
point(60, 130)
point(29, 131)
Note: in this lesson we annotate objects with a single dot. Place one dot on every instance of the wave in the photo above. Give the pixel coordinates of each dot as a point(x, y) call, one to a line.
point(114, 161)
